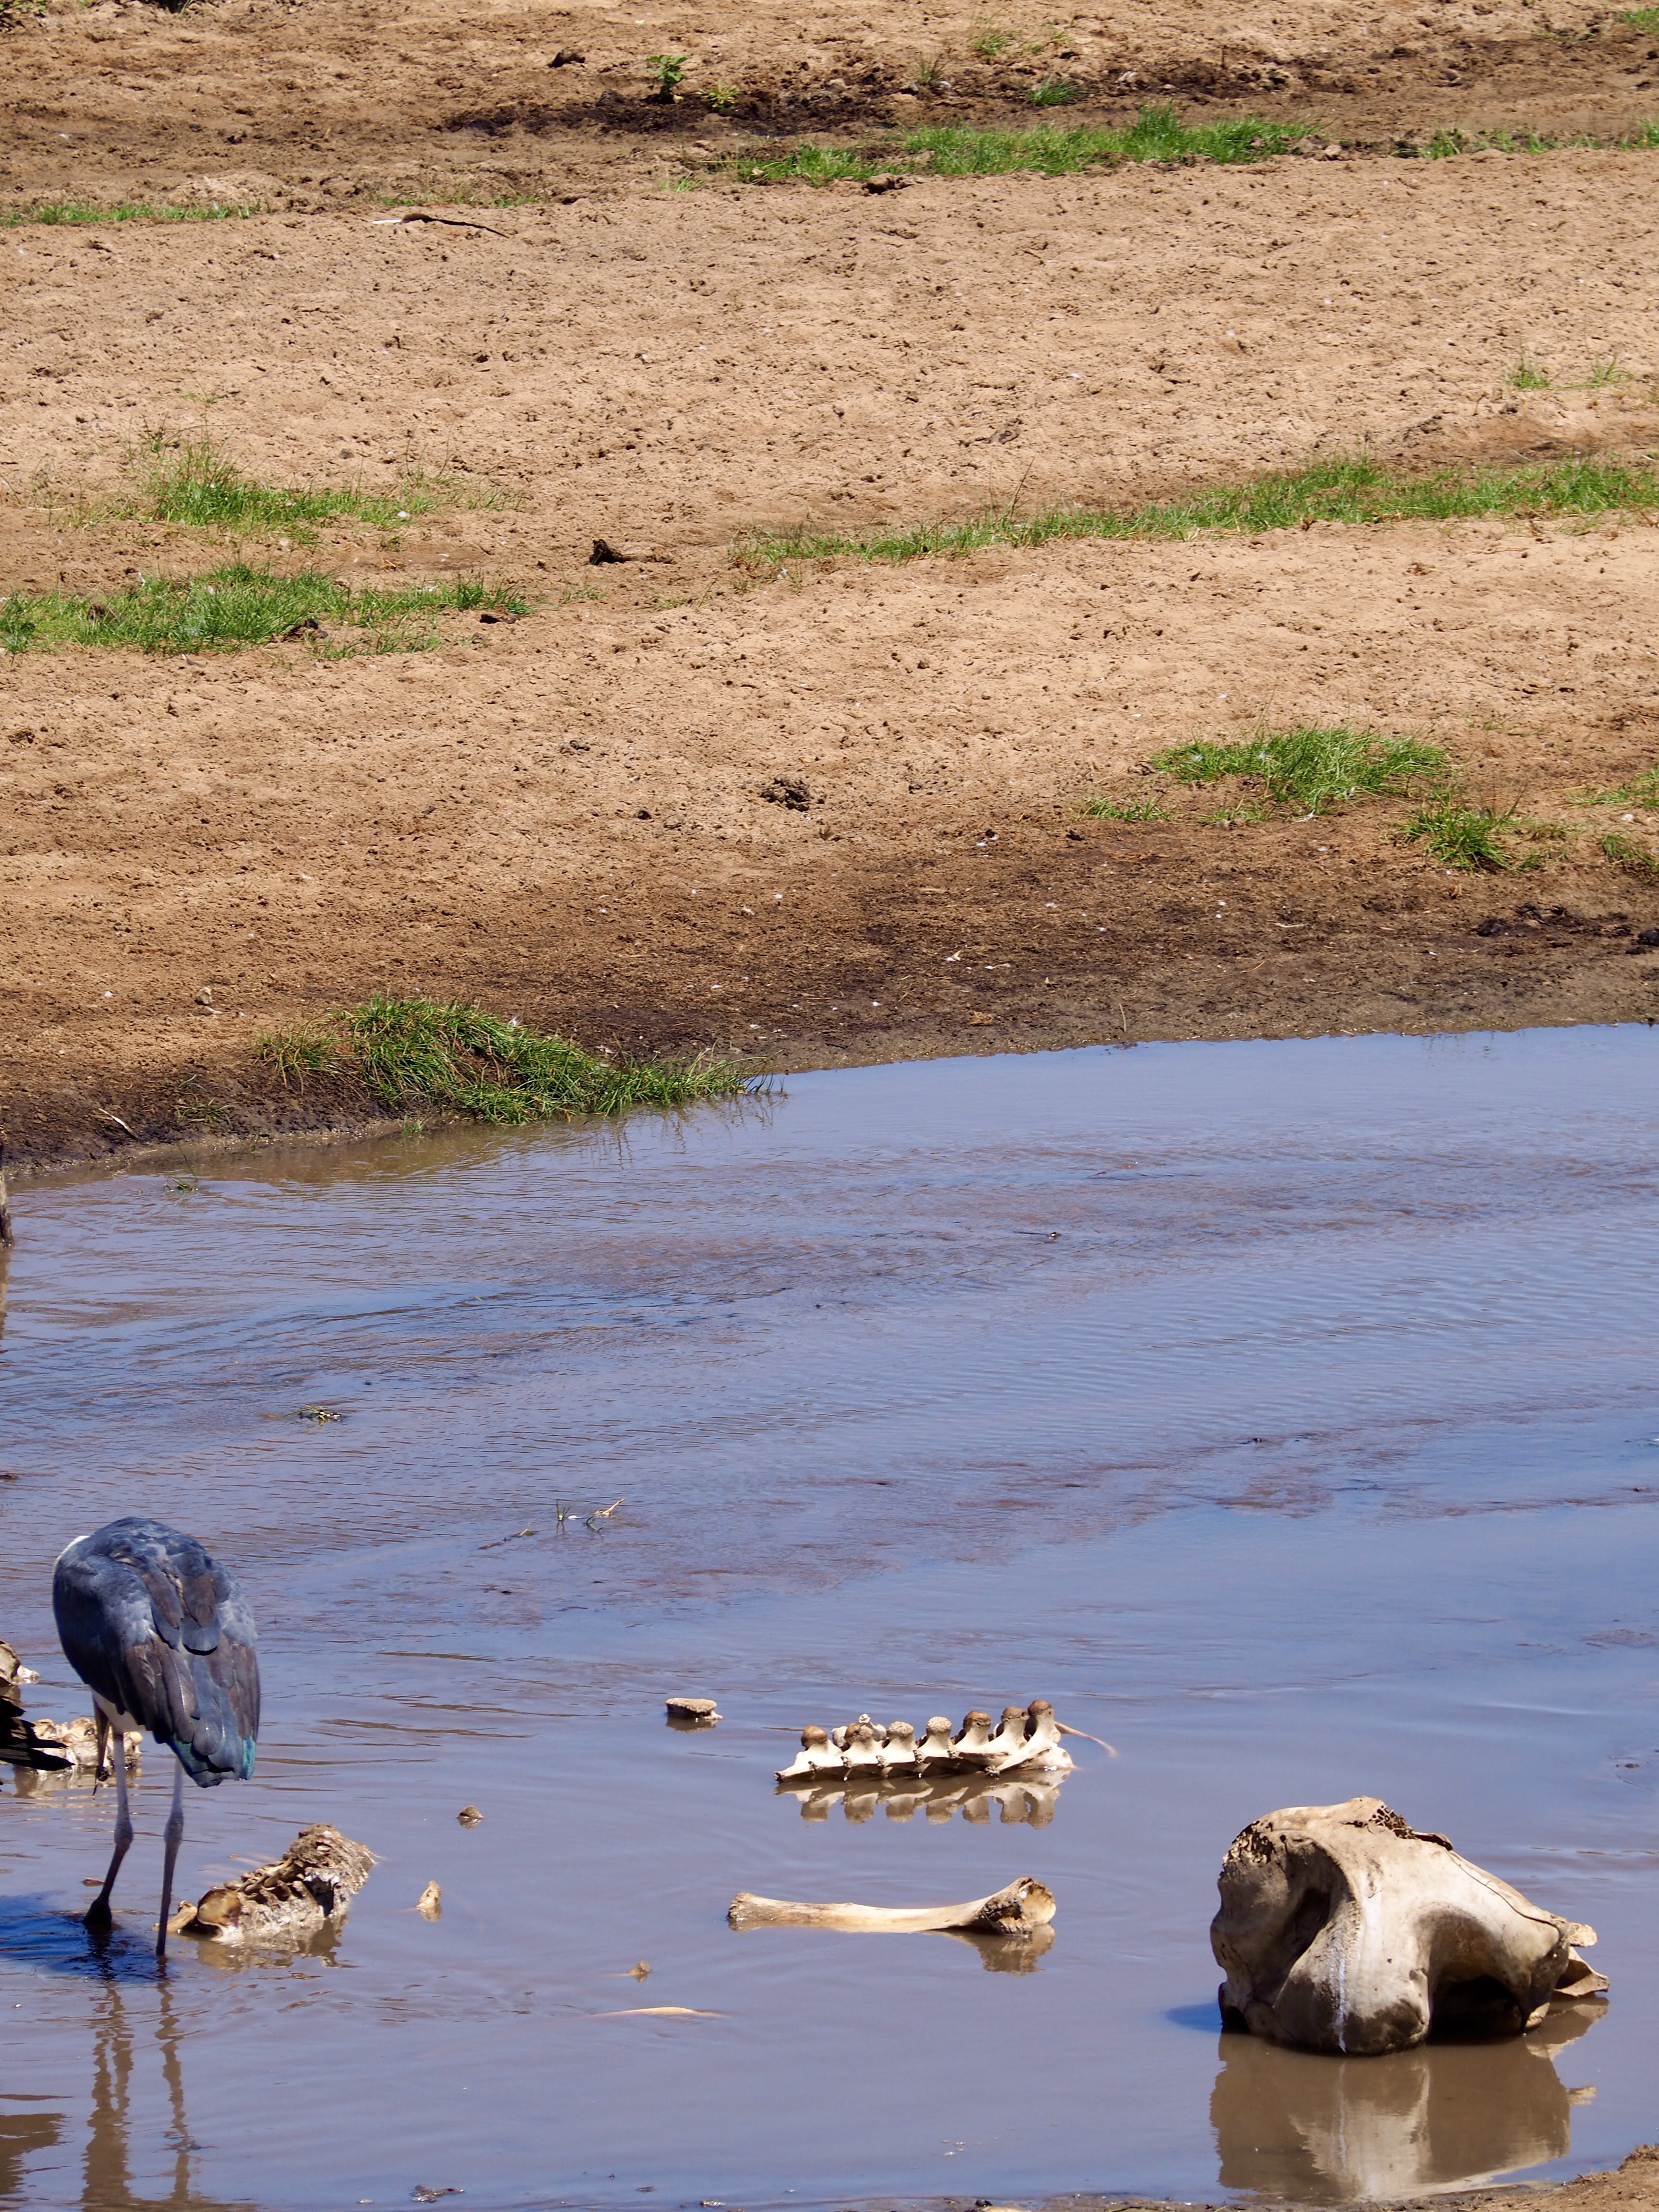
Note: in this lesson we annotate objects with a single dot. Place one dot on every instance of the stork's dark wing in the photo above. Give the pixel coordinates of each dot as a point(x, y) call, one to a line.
point(162, 1632)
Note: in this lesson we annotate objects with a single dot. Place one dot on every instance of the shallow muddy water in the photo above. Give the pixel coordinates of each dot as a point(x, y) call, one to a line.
point(1286, 1413)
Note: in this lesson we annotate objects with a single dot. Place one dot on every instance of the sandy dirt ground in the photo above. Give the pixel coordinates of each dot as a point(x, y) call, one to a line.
point(564, 816)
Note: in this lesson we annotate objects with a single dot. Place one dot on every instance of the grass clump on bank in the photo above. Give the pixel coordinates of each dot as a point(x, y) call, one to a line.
point(1052, 150)
point(81, 212)
point(235, 607)
point(1635, 860)
point(410, 1051)
point(1460, 835)
point(1350, 491)
point(1311, 766)
point(194, 481)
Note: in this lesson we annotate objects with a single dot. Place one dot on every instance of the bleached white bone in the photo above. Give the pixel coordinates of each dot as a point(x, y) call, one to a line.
point(973, 1741)
point(817, 1756)
point(936, 1748)
point(1042, 1748)
point(861, 1751)
point(1341, 1929)
point(1019, 1910)
point(898, 1753)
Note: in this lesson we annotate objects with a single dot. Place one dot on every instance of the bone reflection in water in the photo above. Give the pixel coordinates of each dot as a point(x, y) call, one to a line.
point(1028, 1801)
point(1304, 2126)
point(106, 2183)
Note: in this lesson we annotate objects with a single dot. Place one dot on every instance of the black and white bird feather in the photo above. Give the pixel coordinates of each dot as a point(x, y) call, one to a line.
point(162, 1636)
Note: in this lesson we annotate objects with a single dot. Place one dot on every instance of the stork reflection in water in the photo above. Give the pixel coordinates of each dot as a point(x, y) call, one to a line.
point(162, 1636)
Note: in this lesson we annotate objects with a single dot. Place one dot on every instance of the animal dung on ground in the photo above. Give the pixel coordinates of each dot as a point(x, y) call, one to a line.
point(469, 1816)
point(692, 1712)
point(307, 1888)
point(1027, 1738)
point(607, 549)
point(1341, 1929)
point(430, 1902)
point(788, 791)
point(1018, 1910)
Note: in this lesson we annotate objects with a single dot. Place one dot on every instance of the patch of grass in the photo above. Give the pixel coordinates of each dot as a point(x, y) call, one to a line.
point(1642, 790)
point(410, 1052)
point(1527, 375)
point(1459, 835)
point(236, 606)
point(295, 1053)
point(79, 212)
point(193, 481)
point(961, 150)
point(1352, 491)
point(1312, 766)
point(990, 41)
point(1642, 19)
point(1606, 371)
point(1635, 860)
point(1125, 810)
point(1054, 92)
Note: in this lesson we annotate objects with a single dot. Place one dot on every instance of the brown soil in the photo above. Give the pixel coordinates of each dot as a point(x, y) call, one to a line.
point(1632, 2187)
point(563, 818)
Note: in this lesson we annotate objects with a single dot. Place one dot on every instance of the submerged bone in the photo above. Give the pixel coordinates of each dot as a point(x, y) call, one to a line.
point(309, 1885)
point(1018, 1910)
point(1343, 1930)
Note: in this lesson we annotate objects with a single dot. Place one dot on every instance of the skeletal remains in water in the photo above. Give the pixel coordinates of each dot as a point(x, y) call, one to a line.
point(1017, 1911)
point(307, 1888)
point(1027, 1738)
point(1343, 1930)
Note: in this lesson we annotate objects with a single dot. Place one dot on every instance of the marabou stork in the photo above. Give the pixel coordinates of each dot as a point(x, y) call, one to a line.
point(162, 1636)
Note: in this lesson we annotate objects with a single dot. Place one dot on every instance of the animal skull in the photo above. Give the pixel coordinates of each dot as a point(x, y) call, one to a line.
point(1343, 1930)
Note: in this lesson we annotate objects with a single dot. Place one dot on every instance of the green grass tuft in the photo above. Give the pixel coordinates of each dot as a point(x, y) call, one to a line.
point(1051, 150)
point(297, 1052)
point(1635, 860)
point(1643, 19)
point(1125, 810)
point(236, 606)
point(1312, 766)
point(193, 481)
point(419, 1051)
point(1352, 491)
point(80, 212)
point(1642, 790)
point(1458, 834)
point(1527, 376)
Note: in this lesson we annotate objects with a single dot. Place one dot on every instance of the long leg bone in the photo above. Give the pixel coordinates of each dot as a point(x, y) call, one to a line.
point(1019, 1910)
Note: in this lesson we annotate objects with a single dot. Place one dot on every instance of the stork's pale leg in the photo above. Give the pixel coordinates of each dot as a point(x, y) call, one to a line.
point(98, 1913)
point(174, 1832)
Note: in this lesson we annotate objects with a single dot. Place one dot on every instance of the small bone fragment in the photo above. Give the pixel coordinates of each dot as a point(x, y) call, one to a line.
point(469, 1816)
point(639, 1971)
point(1343, 1930)
point(312, 1883)
point(430, 1902)
point(1019, 1910)
point(692, 1712)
